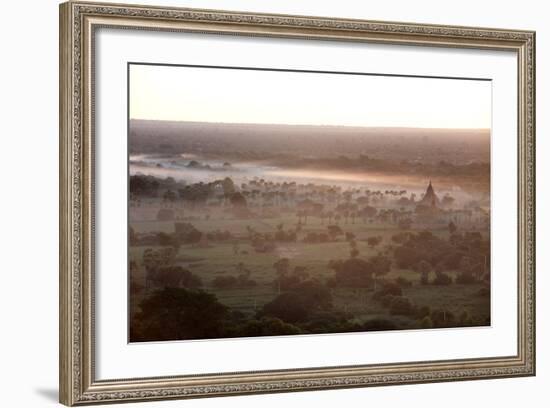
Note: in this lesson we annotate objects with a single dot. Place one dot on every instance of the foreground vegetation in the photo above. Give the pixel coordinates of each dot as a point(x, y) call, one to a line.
point(225, 271)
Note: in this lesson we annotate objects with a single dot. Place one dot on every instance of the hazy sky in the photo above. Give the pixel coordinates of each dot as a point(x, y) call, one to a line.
point(244, 96)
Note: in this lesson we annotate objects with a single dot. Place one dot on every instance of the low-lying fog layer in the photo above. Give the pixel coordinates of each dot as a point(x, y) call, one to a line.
point(190, 168)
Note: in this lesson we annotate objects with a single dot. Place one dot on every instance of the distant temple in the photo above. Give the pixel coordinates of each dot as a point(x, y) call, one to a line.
point(430, 211)
point(430, 198)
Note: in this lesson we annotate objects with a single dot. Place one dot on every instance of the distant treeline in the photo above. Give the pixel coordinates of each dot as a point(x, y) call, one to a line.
point(442, 168)
point(254, 141)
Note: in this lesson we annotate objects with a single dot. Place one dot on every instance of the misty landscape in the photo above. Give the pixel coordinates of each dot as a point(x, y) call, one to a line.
point(254, 229)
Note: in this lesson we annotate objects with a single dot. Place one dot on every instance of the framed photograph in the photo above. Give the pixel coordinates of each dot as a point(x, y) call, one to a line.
point(256, 203)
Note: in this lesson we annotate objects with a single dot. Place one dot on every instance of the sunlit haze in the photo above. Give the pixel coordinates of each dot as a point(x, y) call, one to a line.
point(248, 96)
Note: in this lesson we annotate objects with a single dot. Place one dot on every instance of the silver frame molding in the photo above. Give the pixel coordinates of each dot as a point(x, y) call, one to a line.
point(78, 20)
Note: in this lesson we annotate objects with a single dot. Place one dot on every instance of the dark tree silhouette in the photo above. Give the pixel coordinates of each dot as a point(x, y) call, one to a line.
point(300, 303)
point(374, 241)
point(334, 231)
point(178, 314)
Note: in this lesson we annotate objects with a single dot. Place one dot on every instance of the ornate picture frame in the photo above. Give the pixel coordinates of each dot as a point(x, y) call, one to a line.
point(78, 24)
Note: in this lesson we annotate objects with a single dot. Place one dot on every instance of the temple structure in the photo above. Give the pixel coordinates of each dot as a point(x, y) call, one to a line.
point(430, 199)
point(428, 210)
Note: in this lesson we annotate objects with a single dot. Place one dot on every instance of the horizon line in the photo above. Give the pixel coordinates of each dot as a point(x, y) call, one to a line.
point(305, 124)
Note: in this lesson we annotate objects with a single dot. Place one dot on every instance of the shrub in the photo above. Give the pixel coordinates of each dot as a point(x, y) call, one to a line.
point(423, 311)
point(403, 282)
point(265, 326)
point(289, 306)
point(400, 238)
point(378, 325)
point(442, 279)
point(465, 319)
point(187, 233)
point(390, 288)
point(421, 246)
point(380, 264)
point(299, 304)
point(426, 322)
point(353, 273)
point(330, 322)
point(465, 278)
point(386, 300)
point(311, 238)
point(165, 239)
point(401, 305)
point(374, 241)
point(230, 282)
point(443, 318)
point(224, 282)
point(287, 282)
point(173, 277)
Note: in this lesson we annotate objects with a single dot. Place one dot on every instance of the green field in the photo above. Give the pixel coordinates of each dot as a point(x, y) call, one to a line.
point(219, 259)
